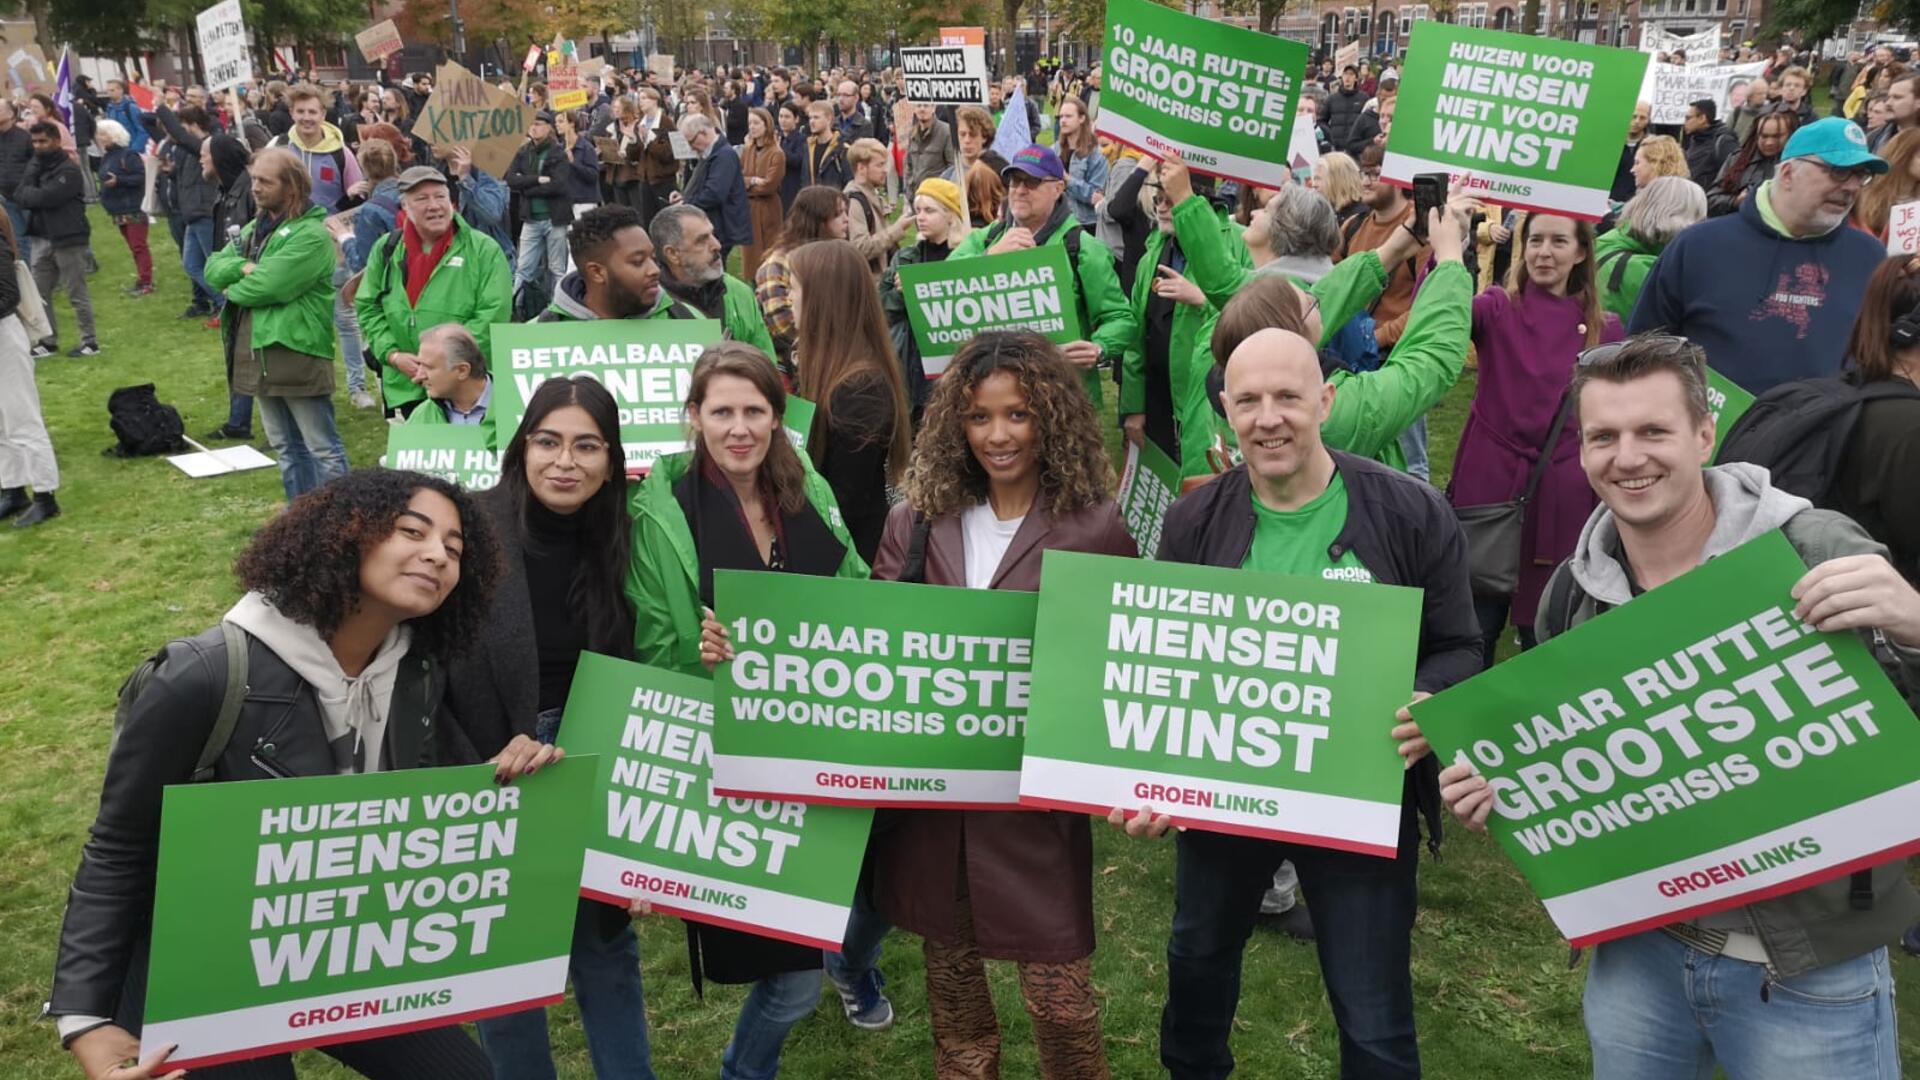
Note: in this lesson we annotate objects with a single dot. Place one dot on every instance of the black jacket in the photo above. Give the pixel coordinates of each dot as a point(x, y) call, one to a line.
point(194, 195)
point(53, 190)
point(101, 969)
point(1707, 150)
point(16, 150)
point(567, 179)
point(1362, 133)
point(1342, 111)
point(1403, 531)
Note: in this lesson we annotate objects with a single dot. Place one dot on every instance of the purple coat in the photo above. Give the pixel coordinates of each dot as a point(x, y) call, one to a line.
point(1527, 352)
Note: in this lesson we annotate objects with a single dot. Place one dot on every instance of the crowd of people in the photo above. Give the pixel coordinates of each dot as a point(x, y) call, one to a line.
point(1282, 346)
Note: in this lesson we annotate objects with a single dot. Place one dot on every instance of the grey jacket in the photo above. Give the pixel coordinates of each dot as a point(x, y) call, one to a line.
point(1816, 926)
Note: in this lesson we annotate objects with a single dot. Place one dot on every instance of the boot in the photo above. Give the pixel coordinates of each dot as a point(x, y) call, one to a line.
point(12, 501)
point(43, 508)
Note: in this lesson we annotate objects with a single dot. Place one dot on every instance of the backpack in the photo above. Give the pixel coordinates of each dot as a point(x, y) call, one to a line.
point(231, 699)
point(1800, 431)
point(143, 424)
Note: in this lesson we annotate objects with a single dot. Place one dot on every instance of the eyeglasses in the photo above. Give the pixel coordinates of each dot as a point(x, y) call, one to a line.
point(1862, 173)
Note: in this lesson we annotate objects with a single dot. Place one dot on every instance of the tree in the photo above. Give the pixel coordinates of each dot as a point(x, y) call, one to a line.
point(1812, 20)
point(1266, 13)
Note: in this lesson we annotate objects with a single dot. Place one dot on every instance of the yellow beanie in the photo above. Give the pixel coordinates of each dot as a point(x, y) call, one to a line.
point(945, 193)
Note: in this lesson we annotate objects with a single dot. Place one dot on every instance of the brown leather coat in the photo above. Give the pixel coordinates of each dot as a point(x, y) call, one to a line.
point(1029, 873)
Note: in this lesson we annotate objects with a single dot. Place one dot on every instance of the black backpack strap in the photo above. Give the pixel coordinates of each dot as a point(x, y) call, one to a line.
point(1618, 279)
point(1547, 448)
point(1860, 890)
point(914, 569)
point(231, 700)
point(1562, 594)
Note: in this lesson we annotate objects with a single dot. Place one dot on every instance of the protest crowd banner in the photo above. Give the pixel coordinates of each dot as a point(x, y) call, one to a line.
point(303, 912)
point(946, 75)
point(950, 302)
point(1693, 751)
point(647, 364)
point(1674, 88)
point(659, 832)
point(465, 110)
point(222, 31)
point(1903, 229)
point(1148, 485)
point(379, 41)
point(454, 452)
point(1235, 701)
point(1701, 49)
point(1221, 96)
point(919, 700)
point(1538, 123)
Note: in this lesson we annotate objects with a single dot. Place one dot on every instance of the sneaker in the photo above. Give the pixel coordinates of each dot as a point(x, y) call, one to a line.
point(41, 348)
point(195, 311)
point(866, 1004)
point(139, 290)
point(213, 323)
point(84, 349)
point(228, 431)
point(362, 400)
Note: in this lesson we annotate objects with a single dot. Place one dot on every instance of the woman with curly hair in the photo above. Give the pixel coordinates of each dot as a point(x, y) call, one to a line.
point(742, 499)
point(1010, 464)
point(356, 596)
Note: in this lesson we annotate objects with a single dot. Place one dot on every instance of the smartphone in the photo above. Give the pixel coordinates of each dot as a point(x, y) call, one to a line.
point(1429, 193)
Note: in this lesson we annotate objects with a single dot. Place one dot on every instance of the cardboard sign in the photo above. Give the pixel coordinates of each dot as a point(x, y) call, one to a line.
point(303, 912)
point(661, 64)
point(465, 110)
point(659, 831)
point(871, 693)
point(379, 41)
point(1236, 701)
point(1693, 750)
point(963, 35)
point(1147, 488)
point(1903, 229)
point(454, 452)
point(565, 89)
point(1222, 96)
point(949, 302)
point(223, 45)
point(27, 69)
point(947, 75)
point(646, 363)
point(1537, 122)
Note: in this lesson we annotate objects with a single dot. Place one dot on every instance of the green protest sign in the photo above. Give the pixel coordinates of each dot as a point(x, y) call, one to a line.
point(646, 363)
point(949, 302)
point(1727, 402)
point(659, 832)
point(1694, 750)
point(798, 422)
point(1148, 486)
point(1538, 122)
point(1237, 701)
point(1221, 96)
point(455, 452)
point(304, 912)
point(871, 693)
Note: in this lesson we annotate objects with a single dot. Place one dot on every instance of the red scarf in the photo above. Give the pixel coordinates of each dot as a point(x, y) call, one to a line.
point(420, 260)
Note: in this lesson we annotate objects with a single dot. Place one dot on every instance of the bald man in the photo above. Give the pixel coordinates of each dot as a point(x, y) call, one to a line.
point(1296, 508)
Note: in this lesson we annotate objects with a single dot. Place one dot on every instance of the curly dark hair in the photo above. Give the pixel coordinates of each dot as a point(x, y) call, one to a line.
point(307, 560)
point(1075, 472)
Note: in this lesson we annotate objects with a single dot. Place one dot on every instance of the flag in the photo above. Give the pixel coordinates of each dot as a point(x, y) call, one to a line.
point(63, 90)
point(1014, 134)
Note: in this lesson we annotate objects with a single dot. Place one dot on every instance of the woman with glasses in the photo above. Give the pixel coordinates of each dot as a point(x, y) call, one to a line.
point(1528, 333)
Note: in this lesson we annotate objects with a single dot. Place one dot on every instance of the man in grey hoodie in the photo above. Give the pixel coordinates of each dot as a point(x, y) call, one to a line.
point(1794, 985)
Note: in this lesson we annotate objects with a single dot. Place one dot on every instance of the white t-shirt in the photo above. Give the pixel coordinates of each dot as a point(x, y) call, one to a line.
point(986, 540)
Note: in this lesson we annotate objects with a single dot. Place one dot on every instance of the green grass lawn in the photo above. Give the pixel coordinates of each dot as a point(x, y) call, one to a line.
point(143, 554)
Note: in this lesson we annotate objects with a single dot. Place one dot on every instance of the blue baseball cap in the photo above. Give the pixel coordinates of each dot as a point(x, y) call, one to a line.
point(1839, 143)
point(1038, 162)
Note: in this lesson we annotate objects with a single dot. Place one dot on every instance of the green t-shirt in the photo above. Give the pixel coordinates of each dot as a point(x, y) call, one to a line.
point(1295, 542)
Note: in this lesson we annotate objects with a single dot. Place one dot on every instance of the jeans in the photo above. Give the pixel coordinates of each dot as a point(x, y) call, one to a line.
point(1363, 909)
point(1492, 613)
point(348, 326)
point(1413, 445)
point(774, 1005)
point(866, 929)
point(1658, 1009)
point(302, 432)
point(239, 412)
point(68, 266)
point(17, 216)
point(541, 242)
point(607, 986)
point(193, 256)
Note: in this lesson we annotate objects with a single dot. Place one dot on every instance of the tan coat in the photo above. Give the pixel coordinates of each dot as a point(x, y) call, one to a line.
point(1029, 873)
point(763, 201)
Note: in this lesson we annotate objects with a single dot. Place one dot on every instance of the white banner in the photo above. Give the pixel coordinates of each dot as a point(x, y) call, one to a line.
point(1675, 88)
point(1701, 49)
point(223, 45)
point(946, 75)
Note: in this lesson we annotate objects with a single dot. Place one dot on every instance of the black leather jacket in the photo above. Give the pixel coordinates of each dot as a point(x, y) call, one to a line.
point(101, 969)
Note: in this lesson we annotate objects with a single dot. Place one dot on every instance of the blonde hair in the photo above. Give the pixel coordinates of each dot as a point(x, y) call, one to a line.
point(863, 151)
point(1341, 182)
point(1664, 154)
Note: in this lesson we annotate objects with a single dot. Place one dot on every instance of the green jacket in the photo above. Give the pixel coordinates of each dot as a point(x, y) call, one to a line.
point(290, 292)
point(1622, 264)
point(1105, 314)
point(1189, 353)
point(472, 285)
point(433, 413)
point(1370, 408)
point(663, 575)
point(740, 319)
